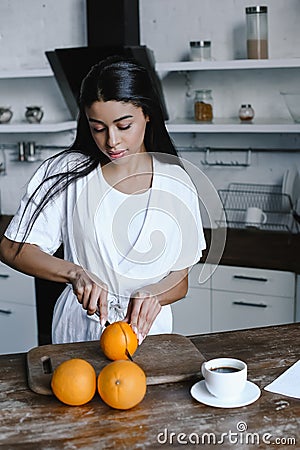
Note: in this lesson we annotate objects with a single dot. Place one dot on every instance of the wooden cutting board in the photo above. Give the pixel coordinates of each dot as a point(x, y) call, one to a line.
point(164, 358)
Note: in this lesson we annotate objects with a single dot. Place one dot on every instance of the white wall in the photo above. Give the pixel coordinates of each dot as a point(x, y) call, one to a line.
point(169, 25)
point(167, 28)
point(29, 28)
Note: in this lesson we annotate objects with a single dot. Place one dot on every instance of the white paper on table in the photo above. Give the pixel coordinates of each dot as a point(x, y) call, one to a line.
point(288, 383)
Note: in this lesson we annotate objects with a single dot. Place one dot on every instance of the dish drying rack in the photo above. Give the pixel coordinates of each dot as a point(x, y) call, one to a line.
point(269, 198)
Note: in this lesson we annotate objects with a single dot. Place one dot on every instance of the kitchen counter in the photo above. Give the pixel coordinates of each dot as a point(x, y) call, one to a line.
point(260, 249)
point(33, 421)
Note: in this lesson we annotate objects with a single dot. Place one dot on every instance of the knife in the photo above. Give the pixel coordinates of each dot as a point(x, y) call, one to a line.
point(127, 353)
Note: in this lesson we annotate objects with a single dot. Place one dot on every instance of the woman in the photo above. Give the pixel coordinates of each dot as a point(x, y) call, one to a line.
point(124, 209)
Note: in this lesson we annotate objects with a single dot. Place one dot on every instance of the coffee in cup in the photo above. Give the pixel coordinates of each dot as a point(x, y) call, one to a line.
point(225, 378)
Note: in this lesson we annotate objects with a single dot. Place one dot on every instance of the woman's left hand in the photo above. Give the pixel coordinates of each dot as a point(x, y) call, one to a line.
point(142, 310)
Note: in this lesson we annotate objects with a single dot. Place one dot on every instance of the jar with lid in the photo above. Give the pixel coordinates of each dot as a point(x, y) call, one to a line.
point(257, 32)
point(200, 51)
point(203, 105)
point(246, 113)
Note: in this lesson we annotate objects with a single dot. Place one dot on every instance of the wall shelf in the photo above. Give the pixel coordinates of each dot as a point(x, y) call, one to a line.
point(237, 64)
point(26, 73)
point(233, 126)
point(24, 127)
point(224, 125)
point(38, 128)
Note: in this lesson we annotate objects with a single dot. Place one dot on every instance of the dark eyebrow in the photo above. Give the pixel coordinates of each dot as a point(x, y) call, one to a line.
point(116, 120)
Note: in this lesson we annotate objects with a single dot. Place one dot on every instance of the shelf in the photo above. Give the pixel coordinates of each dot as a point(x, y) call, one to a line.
point(237, 64)
point(233, 126)
point(26, 73)
point(38, 128)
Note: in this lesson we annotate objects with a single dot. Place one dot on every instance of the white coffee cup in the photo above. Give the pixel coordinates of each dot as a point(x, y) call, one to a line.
point(225, 378)
point(255, 217)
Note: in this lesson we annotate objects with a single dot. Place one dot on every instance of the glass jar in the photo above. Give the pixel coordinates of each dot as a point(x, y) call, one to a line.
point(203, 105)
point(200, 51)
point(246, 113)
point(257, 32)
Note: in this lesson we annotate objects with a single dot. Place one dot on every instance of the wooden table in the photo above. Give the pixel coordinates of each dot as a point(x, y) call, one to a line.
point(32, 421)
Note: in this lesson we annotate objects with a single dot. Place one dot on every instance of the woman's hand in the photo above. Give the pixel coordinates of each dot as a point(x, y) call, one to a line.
point(91, 292)
point(146, 303)
point(142, 310)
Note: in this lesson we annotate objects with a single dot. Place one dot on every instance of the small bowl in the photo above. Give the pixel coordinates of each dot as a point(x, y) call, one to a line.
point(292, 102)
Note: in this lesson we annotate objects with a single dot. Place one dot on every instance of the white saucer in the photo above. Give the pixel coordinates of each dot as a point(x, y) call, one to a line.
point(249, 395)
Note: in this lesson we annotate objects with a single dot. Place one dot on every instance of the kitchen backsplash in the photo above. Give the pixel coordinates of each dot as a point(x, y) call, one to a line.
point(263, 169)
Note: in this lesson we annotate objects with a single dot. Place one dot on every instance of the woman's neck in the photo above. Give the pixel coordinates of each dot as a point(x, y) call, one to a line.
point(132, 176)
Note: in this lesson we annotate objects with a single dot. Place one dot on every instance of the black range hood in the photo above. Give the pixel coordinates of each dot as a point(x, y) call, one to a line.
point(113, 29)
point(72, 64)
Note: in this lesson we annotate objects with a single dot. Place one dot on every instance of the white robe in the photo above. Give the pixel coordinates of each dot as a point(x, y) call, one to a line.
point(128, 241)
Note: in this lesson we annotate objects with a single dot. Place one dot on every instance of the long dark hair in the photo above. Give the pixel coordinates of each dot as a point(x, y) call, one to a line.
point(115, 78)
point(122, 80)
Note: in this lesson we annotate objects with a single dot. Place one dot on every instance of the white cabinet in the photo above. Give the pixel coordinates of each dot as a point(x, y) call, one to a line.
point(235, 298)
point(192, 315)
point(255, 281)
point(269, 76)
point(18, 320)
point(234, 311)
point(248, 297)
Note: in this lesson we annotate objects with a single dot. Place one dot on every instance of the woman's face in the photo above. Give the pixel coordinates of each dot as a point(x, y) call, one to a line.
point(118, 128)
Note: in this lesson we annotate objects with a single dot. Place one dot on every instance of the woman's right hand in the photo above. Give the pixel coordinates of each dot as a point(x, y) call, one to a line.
point(91, 292)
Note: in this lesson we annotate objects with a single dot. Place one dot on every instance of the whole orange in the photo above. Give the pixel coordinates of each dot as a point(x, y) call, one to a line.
point(122, 384)
point(116, 339)
point(74, 382)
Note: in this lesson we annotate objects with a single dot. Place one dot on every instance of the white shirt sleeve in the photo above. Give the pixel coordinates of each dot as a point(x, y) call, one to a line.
point(178, 198)
point(46, 230)
point(193, 240)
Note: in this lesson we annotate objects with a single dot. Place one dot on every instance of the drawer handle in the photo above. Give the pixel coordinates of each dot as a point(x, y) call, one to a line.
point(4, 275)
point(245, 277)
point(5, 311)
point(257, 305)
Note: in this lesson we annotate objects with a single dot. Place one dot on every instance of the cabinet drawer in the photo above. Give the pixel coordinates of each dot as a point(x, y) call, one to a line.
point(256, 281)
point(198, 273)
point(16, 286)
point(18, 327)
point(192, 314)
point(233, 311)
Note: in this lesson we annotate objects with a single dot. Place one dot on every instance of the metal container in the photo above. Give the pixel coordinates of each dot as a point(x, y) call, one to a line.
point(34, 114)
point(5, 114)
